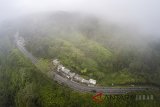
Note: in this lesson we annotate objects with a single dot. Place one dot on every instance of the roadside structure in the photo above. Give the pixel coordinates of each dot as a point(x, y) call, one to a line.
point(55, 62)
point(65, 72)
point(85, 81)
point(92, 81)
point(78, 78)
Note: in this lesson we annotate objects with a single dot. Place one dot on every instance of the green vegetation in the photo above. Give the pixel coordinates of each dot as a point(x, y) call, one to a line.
point(84, 46)
point(121, 77)
point(23, 85)
point(43, 65)
point(91, 58)
point(94, 49)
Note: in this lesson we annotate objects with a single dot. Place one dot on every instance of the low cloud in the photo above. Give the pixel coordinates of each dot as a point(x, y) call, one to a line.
point(143, 14)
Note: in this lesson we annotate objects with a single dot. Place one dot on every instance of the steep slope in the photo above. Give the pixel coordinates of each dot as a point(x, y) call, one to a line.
point(23, 85)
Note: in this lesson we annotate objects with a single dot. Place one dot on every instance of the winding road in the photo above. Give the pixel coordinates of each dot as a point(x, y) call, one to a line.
point(77, 86)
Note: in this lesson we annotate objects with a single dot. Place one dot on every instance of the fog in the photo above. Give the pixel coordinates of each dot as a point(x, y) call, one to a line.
point(141, 14)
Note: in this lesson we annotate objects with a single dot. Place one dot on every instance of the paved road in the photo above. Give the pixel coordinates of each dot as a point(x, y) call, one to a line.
point(77, 86)
point(21, 47)
point(107, 90)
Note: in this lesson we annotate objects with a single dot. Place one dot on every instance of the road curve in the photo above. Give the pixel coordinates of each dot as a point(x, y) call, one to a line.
point(81, 87)
point(106, 90)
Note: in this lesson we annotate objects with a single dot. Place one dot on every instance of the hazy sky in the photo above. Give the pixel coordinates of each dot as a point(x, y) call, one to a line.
point(142, 13)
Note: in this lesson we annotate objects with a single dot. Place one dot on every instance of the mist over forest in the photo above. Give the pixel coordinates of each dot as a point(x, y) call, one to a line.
point(117, 43)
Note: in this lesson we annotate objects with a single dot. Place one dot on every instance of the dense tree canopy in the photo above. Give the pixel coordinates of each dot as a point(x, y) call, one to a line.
point(84, 45)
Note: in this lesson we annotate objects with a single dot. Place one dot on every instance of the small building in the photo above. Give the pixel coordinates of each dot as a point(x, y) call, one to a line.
point(59, 68)
point(56, 62)
point(92, 81)
point(85, 81)
point(78, 78)
point(71, 74)
point(65, 70)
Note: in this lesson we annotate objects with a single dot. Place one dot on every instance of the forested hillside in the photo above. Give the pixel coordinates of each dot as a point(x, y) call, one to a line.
point(88, 53)
point(93, 48)
point(23, 85)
